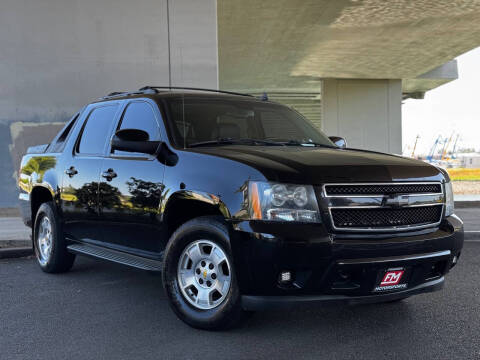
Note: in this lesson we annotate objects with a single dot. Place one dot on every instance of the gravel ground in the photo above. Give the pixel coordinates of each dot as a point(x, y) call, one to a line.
point(466, 187)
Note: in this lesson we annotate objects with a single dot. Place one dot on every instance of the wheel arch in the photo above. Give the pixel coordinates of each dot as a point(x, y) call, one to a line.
point(39, 195)
point(185, 205)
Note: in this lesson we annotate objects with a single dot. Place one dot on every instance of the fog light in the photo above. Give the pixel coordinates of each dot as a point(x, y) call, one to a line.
point(454, 260)
point(285, 277)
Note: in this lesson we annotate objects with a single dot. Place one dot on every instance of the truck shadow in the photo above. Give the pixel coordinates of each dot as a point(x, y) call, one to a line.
point(147, 288)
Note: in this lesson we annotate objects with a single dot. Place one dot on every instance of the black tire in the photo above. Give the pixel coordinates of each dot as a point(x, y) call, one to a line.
point(59, 260)
point(229, 312)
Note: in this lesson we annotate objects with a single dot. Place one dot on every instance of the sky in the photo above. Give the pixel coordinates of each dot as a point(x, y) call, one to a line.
point(450, 108)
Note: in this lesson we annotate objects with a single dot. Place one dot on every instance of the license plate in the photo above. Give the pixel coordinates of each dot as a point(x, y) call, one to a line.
point(391, 280)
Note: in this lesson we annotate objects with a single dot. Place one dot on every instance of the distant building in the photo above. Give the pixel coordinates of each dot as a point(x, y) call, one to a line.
point(469, 160)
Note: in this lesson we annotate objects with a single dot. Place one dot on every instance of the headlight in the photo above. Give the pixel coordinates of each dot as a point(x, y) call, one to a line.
point(449, 203)
point(282, 202)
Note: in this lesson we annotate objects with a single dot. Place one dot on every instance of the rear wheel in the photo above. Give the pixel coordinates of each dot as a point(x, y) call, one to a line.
point(198, 275)
point(49, 242)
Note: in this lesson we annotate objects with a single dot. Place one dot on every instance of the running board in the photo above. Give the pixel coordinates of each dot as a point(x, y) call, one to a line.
point(116, 256)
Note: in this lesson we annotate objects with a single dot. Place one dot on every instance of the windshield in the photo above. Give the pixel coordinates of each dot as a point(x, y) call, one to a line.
point(205, 121)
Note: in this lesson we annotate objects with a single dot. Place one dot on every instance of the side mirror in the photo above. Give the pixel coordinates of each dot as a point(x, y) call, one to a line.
point(339, 141)
point(134, 140)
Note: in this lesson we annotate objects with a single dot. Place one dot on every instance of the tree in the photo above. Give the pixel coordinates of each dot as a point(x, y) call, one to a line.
point(39, 165)
point(88, 195)
point(145, 194)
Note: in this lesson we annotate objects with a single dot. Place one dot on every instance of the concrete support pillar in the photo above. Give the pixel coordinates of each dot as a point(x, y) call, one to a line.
point(193, 43)
point(366, 112)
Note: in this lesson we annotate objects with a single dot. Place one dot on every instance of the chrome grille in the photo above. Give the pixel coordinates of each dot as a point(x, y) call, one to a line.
point(383, 206)
point(378, 217)
point(382, 189)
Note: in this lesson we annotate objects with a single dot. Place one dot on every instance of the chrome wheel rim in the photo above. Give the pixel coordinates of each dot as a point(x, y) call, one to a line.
point(204, 274)
point(44, 240)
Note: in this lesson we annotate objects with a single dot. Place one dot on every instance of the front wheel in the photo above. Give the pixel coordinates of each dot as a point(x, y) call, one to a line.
point(198, 275)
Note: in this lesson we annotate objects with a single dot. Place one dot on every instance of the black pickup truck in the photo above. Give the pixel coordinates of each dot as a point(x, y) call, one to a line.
point(240, 203)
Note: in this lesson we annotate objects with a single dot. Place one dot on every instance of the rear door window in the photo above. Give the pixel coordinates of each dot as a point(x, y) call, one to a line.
point(96, 131)
point(59, 144)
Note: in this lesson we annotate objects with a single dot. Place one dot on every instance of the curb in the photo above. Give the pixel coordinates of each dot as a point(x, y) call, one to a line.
point(467, 204)
point(10, 212)
point(15, 252)
point(4, 244)
point(471, 235)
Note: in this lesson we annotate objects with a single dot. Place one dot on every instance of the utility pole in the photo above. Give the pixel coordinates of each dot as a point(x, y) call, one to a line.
point(415, 145)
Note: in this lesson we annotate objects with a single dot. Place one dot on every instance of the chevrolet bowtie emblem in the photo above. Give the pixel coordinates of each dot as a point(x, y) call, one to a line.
point(395, 201)
point(205, 274)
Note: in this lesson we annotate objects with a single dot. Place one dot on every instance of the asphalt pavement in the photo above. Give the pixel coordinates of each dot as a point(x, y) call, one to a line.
point(101, 310)
point(471, 218)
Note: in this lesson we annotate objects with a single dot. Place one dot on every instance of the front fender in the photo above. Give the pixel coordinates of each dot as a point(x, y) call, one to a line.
point(196, 195)
point(210, 179)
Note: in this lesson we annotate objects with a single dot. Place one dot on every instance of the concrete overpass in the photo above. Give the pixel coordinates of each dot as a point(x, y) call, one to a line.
point(345, 64)
point(358, 57)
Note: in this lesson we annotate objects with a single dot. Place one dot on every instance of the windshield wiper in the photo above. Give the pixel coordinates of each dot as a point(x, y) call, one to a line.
point(308, 143)
point(303, 143)
point(232, 141)
point(249, 141)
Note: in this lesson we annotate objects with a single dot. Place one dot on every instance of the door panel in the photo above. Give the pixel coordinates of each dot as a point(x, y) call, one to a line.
point(131, 187)
point(130, 201)
point(80, 198)
point(81, 178)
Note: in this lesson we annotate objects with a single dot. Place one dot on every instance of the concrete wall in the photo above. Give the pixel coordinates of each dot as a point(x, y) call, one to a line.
point(366, 112)
point(193, 43)
point(57, 55)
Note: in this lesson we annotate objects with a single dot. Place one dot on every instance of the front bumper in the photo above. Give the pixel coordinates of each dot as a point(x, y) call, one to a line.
point(338, 268)
point(257, 303)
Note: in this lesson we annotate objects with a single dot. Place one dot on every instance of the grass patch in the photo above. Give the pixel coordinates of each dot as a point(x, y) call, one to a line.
point(462, 174)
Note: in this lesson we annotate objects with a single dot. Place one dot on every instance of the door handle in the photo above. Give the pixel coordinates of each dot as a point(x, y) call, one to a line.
point(109, 174)
point(71, 171)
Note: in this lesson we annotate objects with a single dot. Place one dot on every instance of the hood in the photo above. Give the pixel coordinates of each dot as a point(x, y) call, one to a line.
point(316, 165)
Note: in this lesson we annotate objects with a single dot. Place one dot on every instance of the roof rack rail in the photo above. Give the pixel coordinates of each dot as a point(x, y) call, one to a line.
point(116, 94)
point(145, 88)
point(154, 90)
